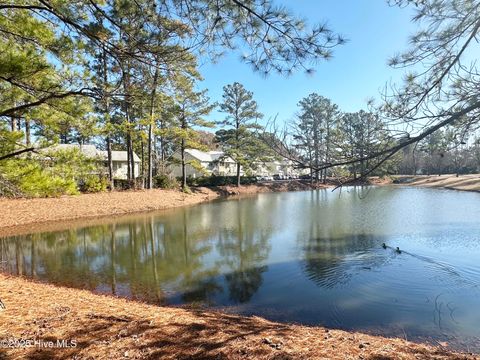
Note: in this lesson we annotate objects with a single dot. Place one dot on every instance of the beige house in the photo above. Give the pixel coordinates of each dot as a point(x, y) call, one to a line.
point(201, 163)
point(120, 164)
point(119, 158)
point(283, 168)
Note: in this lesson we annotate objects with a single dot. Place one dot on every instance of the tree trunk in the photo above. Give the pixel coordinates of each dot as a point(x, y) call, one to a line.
point(132, 162)
point(150, 131)
point(327, 151)
point(13, 122)
point(184, 173)
point(316, 147)
point(129, 169)
point(238, 174)
point(107, 119)
point(182, 149)
point(27, 132)
point(162, 147)
point(144, 177)
point(237, 144)
point(110, 163)
point(150, 156)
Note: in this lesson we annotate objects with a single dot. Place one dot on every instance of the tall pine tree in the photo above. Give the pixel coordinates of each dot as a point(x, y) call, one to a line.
point(238, 140)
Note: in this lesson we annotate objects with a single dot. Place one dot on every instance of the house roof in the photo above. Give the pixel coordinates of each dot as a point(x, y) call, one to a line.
point(119, 156)
point(215, 155)
point(92, 152)
point(87, 150)
point(209, 156)
point(199, 155)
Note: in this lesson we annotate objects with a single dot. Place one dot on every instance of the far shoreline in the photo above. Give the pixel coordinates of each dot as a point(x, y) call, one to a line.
point(470, 182)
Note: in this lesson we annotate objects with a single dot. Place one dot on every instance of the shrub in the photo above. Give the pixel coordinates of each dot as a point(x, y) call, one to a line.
point(94, 184)
point(215, 180)
point(125, 184)
point(8, 189)
point(33, 181)
point(165, 182)
point(49, 174)
point(122, 184)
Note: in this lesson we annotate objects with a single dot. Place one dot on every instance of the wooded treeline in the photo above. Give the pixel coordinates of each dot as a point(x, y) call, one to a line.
point(321, 135)
point(433, 117)
point(123, 74)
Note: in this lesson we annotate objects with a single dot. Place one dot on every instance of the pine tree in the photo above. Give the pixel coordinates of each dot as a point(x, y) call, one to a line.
point(238, 140)
point(315, 132)
point(363, 134)
point(190, 109)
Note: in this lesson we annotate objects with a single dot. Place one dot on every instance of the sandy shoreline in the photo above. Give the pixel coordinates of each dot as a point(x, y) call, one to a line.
point(20, 215)
point(450, 181)
point(105, 327)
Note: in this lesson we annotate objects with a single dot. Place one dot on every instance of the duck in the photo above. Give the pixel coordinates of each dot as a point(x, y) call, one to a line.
point(384, 246)
point(398, 251)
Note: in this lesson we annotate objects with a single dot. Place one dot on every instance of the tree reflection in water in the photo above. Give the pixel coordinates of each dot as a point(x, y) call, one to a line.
point(333, 261)
point(337, 243)
point(244, 250)
point(178, 257)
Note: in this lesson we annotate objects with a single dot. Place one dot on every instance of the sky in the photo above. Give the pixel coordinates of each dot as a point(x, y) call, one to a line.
point(358, 71)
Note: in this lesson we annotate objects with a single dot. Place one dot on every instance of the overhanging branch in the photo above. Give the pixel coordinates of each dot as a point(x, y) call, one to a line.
point(16, 153)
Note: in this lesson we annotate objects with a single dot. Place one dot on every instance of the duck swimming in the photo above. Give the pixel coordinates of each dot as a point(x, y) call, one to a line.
point(398, 251)
point(384, 246)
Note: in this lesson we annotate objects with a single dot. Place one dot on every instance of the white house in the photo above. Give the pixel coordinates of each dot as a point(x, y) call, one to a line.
point(120, 164)
point(282, 167)
point(119, 158)
point(201, 163)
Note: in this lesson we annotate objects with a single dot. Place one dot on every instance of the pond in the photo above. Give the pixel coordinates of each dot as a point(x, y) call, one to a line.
point(314, 258)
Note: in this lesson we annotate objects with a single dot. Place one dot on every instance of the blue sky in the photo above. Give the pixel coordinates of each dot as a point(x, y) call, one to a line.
point(356, 73)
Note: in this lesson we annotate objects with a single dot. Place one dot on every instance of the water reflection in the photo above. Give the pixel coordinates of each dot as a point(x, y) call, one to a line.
point(331, 261)
point(160, 259)
point(244, 253)
point(311, 257)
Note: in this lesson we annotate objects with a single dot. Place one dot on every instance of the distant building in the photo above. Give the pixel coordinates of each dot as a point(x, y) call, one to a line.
point(200, 163)
point(119, 158)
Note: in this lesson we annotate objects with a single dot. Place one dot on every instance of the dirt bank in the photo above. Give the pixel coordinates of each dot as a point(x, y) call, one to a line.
point(27, 215)
point(105, 327)
point(16, 213)
point(451, 181)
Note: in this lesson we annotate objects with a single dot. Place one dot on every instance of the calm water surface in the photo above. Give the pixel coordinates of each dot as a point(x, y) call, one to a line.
point(308, 257)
